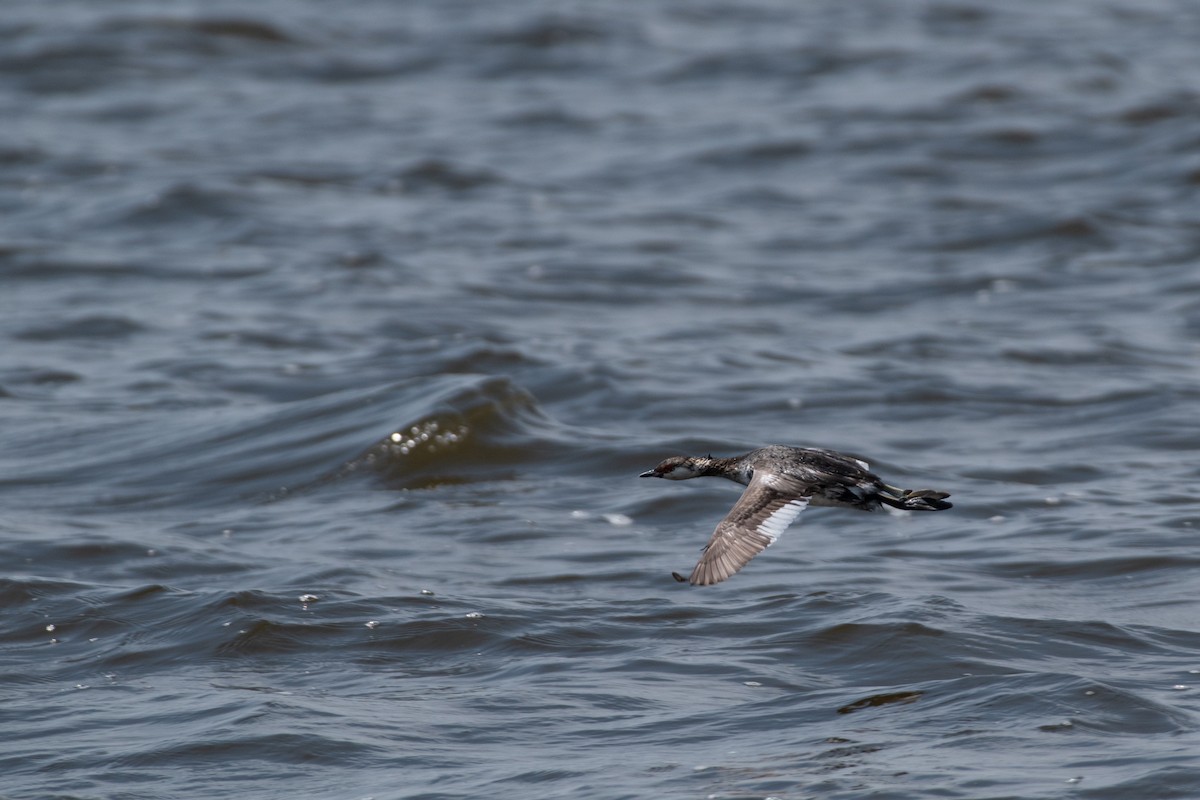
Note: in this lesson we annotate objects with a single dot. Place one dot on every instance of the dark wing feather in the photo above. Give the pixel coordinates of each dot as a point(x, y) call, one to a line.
point(756, 520)
point(824, 463)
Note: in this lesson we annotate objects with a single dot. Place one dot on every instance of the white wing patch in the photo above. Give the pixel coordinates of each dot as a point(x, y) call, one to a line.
point(778, 520)
point(862, 464)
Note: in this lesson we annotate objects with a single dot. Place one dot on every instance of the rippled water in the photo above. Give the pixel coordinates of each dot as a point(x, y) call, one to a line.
point(334, 343)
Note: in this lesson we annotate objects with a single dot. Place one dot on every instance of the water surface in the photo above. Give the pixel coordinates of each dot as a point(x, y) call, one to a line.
point(333, 344)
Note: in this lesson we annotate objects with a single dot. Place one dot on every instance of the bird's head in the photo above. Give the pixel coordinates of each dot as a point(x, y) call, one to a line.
point(677, 468)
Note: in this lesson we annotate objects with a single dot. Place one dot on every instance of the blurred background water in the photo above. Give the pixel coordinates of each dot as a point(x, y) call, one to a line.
point(334, 339)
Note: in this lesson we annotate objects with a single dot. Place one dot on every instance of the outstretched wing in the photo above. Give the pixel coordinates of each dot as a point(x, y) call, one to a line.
point(760, 515)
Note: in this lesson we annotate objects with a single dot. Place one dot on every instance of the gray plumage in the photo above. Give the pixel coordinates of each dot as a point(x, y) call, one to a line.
point(781, 482)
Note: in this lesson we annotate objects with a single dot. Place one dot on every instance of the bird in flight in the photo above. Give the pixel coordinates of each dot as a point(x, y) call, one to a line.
point(781, 482)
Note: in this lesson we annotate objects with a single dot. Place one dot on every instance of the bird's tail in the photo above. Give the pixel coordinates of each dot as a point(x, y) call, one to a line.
point(915, 499)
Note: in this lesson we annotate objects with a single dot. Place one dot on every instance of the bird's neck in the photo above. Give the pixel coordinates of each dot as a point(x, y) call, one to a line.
point(721, 468)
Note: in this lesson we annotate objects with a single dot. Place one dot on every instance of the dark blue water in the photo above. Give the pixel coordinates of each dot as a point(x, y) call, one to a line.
point(332, 342)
